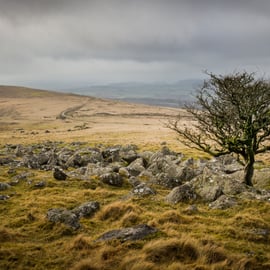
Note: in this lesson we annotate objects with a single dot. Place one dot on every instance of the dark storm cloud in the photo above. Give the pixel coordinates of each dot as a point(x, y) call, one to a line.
point(122, 39)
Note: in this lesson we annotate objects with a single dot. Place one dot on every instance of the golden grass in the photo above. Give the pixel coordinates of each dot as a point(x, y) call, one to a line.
point(236, 238)
point(207, 239)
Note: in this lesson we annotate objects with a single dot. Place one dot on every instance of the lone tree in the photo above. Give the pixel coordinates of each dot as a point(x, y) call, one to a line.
point(232, 115)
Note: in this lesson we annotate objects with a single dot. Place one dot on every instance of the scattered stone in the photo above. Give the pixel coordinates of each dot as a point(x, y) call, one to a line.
point(4, 186)
point(208, 186)
point(60, 215)
point(183, 193)
point(58, 174)
point(191, 210)
point(143, 190)
point(223, 202)
point(87, 209)
point(124, 172)
point(134, 181)
point(4, 197)
point(5, 161)
point(113, 179)
point(40, 184)
point(136, 167)
point(11, 171)
point(132, 233)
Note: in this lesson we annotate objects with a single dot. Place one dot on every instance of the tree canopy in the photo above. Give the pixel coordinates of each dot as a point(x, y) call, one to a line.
point(232, 115)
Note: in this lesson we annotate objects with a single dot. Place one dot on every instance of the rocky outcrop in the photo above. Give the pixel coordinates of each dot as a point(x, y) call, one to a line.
point(188, 179)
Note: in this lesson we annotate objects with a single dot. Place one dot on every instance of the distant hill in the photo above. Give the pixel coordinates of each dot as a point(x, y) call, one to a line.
point(160, 94)
point(7, 91)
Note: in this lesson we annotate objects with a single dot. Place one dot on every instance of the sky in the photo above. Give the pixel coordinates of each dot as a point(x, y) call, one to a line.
point(58, 44)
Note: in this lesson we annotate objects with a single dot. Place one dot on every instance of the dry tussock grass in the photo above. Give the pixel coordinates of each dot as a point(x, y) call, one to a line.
point(236, 238)
point(164, 251)
point(116, 210)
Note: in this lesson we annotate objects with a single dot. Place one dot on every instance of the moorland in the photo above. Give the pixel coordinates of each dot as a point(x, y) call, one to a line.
point(89, 183)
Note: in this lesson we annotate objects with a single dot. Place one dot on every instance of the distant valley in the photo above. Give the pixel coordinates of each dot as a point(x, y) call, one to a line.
point(158, 94)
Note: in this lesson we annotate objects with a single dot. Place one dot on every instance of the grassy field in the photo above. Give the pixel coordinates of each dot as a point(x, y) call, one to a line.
point(207, 239)
point(236, 238)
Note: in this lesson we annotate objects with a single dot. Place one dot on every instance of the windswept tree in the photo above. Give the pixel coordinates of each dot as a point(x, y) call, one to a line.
point(232, 115)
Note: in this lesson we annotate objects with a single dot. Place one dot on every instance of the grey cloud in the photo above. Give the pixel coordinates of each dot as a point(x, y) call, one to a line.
point(191, 34)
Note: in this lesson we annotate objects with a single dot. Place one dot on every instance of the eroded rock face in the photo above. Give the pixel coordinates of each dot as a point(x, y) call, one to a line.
point(132, 233)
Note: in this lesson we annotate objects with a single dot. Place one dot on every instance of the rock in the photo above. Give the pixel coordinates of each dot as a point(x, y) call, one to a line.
point(128, 156)
point(168, 171)
point(226, 163)
point(183, 193)
point(60, 215)
point(83, 157)
point(233, 186)
point(58, 174)
point(5, 161)
point(223, 202)
point(111, 154)
point(134, 181)
point(136, 167)
point(146, 156)
point(192, 209)
point(4, 197)
point(4, 186)
point(143, 190)
point(113, 179)
point(124, 172)
point(208, 186)
point(253, 194)
point(40, 184)
point(87, 209)
point(97, 169)
point(132, 233)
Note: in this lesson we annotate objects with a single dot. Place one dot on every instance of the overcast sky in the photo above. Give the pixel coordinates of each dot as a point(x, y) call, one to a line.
point(70, 43)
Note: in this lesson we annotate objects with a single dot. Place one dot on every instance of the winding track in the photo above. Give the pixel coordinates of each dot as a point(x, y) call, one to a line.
point(65, 114)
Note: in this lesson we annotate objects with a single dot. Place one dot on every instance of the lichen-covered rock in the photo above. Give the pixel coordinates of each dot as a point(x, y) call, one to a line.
point(143, 190)
point(113, 179)
point(87, 209)
point(136, 167)
point(183, 193)
point(223, 202)
point(61, 215)
point(82, 157)
point(132, 233)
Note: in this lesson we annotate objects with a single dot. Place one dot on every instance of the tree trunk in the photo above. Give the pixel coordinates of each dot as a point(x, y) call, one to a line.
point(249, 170)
